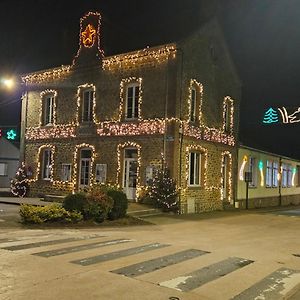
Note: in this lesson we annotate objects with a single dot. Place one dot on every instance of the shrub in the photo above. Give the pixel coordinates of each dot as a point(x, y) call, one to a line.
point(98, 204)
point(75, 202)
point(49, 213)
point(120, 204)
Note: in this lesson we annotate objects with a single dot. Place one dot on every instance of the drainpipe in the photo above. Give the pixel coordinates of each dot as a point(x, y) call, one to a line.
point(166, 115)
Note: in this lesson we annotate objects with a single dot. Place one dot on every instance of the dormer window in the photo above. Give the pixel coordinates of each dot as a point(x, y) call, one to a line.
point(132, 101)
point(193, 105)
point(228, 115)
point(195, 102)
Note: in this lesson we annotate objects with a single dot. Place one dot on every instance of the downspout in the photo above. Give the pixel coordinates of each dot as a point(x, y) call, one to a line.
point(166, 115)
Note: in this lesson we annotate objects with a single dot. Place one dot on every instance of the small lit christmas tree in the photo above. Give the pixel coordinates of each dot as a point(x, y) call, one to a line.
point(163, 190)
point(19, 185)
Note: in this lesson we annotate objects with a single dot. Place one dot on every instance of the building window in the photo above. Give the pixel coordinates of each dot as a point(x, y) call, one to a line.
point(228, 115)
point(48, 118)
point(66, 172)
point(46, 164)
point(275, 174)
point(253, 171)
point(194, 169)
point(87, 105)
point(269, 174)
point(227, 123)
point(284, 175)
point(132, 101)
point(3, 169)
point(101, 170)
point(193, 105)
point(289, 175)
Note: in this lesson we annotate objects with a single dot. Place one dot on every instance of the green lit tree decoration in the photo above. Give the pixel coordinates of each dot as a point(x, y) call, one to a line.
point(163, 191)
point(11, 134)
point(271, 116)
point(19, 185)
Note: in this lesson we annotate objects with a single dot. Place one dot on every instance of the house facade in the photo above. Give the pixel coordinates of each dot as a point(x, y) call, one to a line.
point(118, 119)
point(275, 179)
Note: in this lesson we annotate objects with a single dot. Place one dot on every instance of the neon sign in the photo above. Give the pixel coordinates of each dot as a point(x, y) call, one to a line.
point(281, 115)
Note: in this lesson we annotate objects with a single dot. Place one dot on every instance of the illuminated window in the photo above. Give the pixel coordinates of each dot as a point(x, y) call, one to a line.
point(194, 169)
point(284, 181)
point(132, 101)
point(193, 105)
point(253, 170)
point(48, 111)
point(289, 175)
point(66, 172)
point(3, 169)
point(46, 164)
point(269, 174)
point(275, 174)
point(87, 105)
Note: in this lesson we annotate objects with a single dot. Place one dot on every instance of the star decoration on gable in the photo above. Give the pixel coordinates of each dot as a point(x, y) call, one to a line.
point(88, 36)
point(11, 134)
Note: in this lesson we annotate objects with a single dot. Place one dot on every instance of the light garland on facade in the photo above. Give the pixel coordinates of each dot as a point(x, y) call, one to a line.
point(53, 74)
point(293, 176)
point(228, 102)
point(42, 100)
point(241, 173)
point(261, 169)
point(75, 162)
point(199, 87)
point(157, 55)
point(229, 155)
point(38, 170)
point(129, 145)
point(124, 83)
point(130, 129)
point(97, 35)
point(53, 132)
point(80, 90)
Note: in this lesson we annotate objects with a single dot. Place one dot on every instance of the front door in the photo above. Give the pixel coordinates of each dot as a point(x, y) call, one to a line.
point(130, 173)
point(85, 168)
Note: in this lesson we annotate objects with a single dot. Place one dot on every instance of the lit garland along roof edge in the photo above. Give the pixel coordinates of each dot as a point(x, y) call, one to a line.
point(108, 62)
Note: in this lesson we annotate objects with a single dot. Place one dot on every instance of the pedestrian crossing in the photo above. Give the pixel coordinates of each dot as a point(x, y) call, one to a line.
point(95, 250)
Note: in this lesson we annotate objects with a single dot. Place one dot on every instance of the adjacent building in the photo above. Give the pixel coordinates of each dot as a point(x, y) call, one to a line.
point(117, 119)
point(274, 179)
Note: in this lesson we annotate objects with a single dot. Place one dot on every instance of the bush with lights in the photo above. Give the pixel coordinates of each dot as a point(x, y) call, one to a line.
point(19, 185)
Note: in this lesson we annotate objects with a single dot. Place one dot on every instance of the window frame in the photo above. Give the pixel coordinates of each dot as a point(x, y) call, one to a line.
point(135, 101)
point(275, 170)
point(269, 171)
point(193, 105)
point(253, 169)
point(284, 176)
point(195, 171)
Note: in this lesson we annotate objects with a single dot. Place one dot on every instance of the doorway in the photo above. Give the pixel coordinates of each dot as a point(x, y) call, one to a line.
point(85, 168)
point(130, 168)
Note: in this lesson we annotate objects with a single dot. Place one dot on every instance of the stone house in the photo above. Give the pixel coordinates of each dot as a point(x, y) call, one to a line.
point(116, 119)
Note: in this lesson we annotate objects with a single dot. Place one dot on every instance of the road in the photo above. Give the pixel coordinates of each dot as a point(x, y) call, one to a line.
point(222, 256)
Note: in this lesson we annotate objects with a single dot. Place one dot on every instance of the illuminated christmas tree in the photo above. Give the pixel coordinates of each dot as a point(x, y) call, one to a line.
point(163, 191)
point(271, 116)
point(19, 185)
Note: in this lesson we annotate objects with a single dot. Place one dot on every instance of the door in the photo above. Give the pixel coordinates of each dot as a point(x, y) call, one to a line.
point(130, 168)
point(85, 168)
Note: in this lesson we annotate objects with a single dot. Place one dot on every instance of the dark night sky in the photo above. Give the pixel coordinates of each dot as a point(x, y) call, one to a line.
point(263, 37)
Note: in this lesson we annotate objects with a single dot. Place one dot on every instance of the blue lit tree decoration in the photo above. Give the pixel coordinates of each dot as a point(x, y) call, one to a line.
point(271, 116)
point(11, 134)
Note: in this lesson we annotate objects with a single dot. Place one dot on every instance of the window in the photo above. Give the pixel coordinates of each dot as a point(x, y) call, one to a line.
point(194, 168)
point(252, 170)
point(48, 110)
point(66, 172)
point(193, 105)
point(46, 164)
point(132, 101)
point(275, 174)
point(269, 174)
point(284, 176)
point(101, 170)
point(289, 175)
point(227, 117)
point(3, 169)
point(87, 105)
point(85, 167)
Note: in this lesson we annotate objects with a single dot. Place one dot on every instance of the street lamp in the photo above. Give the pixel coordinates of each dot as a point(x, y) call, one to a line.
point(8, 83)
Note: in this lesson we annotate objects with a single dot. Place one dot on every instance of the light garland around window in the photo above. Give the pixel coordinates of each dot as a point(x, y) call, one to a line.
point(40, 158)
point(229, 155)
point(228, 102)
point(43, 95)
point(199, 92)
point(123, 95)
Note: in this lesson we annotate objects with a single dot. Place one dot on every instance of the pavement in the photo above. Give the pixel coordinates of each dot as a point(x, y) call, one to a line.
point(213, 256)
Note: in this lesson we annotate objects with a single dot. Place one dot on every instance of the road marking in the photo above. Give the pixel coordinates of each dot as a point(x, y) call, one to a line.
point(275, 286)
point(47, 243)
point(158, 263)
point(202, 276)
point(118, 254)
point(80, 248)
